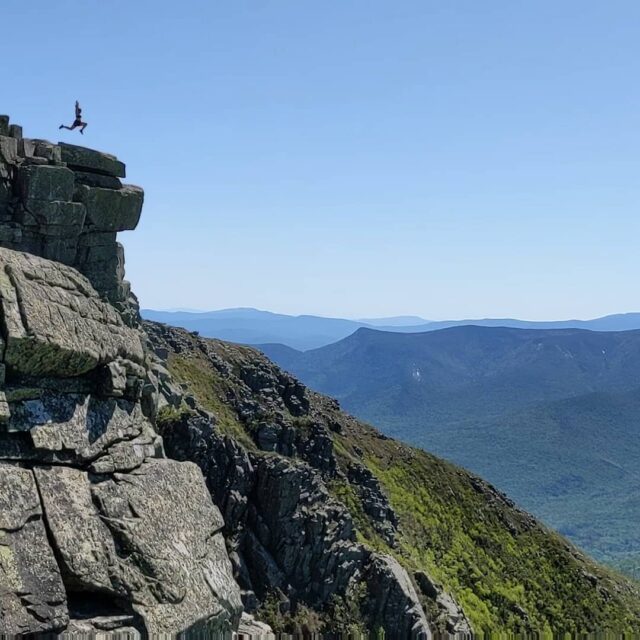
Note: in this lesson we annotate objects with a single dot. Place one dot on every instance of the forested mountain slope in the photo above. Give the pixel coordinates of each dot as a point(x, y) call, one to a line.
point(551, 417)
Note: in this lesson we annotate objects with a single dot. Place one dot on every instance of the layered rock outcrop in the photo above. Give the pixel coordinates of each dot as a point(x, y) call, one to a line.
point(67, 203)
point(99, 531)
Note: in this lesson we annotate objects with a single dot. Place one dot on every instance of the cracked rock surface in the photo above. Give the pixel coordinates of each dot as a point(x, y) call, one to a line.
point(66, 203)
point(100, 533)
point(32, 595)
point(55, 322)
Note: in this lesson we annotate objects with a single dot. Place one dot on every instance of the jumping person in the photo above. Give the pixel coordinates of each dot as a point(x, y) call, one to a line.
point(77, 122)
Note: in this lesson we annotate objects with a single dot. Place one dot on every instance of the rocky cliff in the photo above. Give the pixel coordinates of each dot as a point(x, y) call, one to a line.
point(67, 204)
point(99, 530)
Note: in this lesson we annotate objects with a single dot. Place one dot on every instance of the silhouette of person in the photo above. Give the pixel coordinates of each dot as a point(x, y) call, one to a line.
point(77, 122)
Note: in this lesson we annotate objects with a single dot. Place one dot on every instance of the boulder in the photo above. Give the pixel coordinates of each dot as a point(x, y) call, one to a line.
point(252, 629)
point(56, 218)
point(8, 150)
point(90, 240)
point(447, 613)
point(47, 150)
point(8, 158)
point(60, 249)
point(113, 379)
point(49, 229)
point(15, 131)
point(35, 160)
point(176, 567)
point(111, 209)
point(5, 412)
point(45, 182)
point(90, 160)
point(175, 574)
point(26, 147)
point(102, 264)
point(128, 455)
point(78, 428)
point(84, 545)
point(101, 628)
point(32, 595)
point(55, 324)
point(97, 180)
point(393, 599)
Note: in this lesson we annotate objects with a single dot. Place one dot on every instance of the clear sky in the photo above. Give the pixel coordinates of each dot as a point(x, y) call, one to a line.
point(458, 158)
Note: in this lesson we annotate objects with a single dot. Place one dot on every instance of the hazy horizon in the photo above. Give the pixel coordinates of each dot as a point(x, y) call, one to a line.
point(364, 318)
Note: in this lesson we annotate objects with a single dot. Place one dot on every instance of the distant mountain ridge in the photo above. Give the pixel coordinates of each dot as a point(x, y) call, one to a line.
point(253, 326)
point(552, 416)
point(394, 321)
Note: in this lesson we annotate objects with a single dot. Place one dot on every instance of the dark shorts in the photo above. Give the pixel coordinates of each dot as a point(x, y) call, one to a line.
point(77, 122)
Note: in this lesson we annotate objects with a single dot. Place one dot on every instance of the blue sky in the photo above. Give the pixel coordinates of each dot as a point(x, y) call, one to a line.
point(356, 158)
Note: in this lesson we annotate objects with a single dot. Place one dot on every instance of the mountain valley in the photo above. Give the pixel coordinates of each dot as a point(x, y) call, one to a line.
point(549, 416)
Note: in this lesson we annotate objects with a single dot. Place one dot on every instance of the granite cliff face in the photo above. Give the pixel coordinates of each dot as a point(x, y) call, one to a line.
point(67, 203)
point(99, 531)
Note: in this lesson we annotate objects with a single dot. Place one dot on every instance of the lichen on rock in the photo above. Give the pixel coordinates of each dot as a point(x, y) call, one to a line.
point(32, 594)
point(56, 200)
point(100, 533)
point(55, 324)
